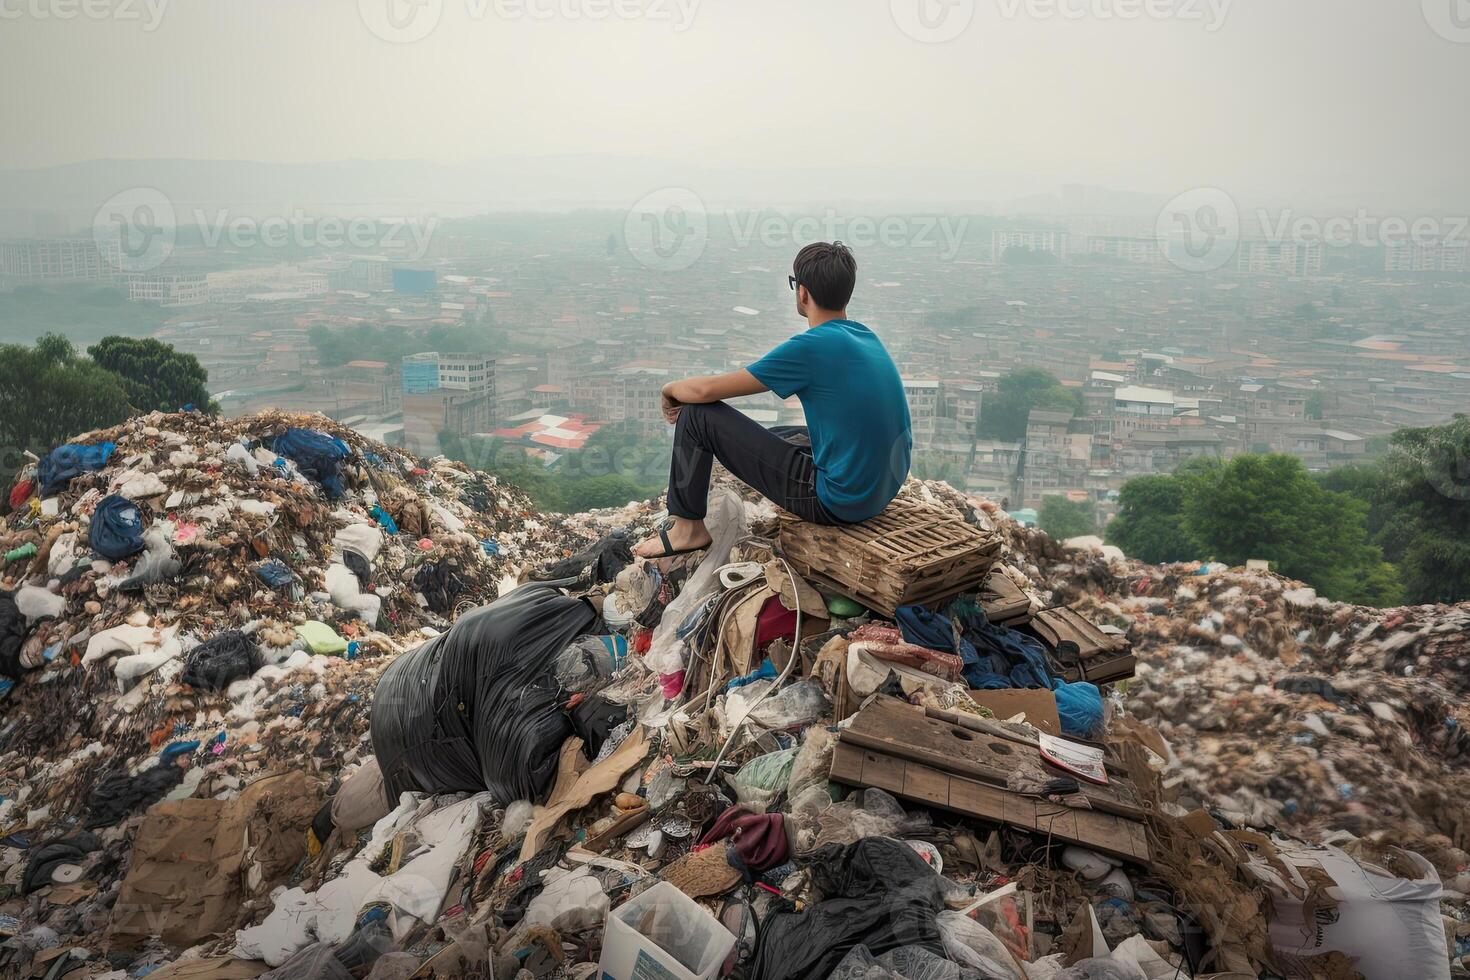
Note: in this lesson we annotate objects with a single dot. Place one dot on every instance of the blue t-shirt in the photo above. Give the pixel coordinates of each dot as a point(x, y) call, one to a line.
point(855, 410)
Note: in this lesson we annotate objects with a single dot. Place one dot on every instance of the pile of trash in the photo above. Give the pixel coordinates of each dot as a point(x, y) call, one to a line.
point(283, 702)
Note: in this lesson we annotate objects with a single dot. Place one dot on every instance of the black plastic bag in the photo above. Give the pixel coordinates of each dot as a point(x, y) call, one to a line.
point(597, 564)
point(48, 857)
point(119, 794)
point(12, 637)
point(477, 708)
point(877, 893)
point(219, 661)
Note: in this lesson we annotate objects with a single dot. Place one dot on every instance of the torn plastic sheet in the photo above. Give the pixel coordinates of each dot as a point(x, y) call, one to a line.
point(415, 891)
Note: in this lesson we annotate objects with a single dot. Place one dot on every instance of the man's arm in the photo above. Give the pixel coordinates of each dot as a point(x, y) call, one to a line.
point(714, 388)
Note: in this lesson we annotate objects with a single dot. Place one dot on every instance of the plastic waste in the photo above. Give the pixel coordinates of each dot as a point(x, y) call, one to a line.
point(759, 779)
point(158, 563)
point(903, 963)
point(726, 521)
point(867, 813)
point(116, 531)
point(588, 662)
point(813, 761)
point(971, 944)
point(793, 706)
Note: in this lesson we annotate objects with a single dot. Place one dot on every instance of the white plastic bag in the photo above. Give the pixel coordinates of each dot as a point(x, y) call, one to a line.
point(726, 522)
point(970, 944)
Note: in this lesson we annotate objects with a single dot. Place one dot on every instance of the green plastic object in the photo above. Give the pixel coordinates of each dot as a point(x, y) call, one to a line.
point(24, 551)
point(321, 638)
point(842, 607)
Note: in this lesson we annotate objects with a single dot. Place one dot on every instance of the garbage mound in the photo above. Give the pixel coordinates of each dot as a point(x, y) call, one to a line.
point(280, 701)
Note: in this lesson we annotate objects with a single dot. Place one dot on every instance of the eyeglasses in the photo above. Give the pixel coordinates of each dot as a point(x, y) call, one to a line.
point(792, 280)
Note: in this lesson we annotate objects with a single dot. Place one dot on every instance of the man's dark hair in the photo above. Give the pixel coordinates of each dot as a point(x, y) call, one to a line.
point(829, 273)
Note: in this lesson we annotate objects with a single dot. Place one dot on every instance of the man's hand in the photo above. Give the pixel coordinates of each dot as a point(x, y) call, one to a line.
point(671, 406)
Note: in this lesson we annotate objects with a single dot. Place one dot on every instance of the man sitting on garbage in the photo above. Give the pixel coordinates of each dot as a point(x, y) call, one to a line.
point(856, 413)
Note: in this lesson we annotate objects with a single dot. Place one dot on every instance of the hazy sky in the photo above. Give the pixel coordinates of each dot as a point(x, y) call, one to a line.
point(1290, 97)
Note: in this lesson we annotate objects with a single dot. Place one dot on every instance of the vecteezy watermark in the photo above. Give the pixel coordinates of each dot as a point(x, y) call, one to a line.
point(146, 13)
point(1210, 13)
point(406, 21)
point(942, 232)
point(1363, 228)
point(1199, 230)
point(667, 230)
point(138, 230)
point(932, 21)
point(1450, 19)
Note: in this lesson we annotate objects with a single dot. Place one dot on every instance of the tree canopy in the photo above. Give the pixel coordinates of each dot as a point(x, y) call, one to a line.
point(48, 394)
point(156, 377)
point(1063, 518)
point(1258, 506)
point(1004, 414)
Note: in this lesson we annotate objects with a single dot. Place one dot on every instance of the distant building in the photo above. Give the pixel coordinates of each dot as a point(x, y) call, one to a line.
point(431, 370)
point(1055, 243)
point(1428, 257)
point(1137, 400)
point(415, 282)
point(1279, 258)
point(169, 288)
point(1138, 251)
point(60, 259)
point(446, 392)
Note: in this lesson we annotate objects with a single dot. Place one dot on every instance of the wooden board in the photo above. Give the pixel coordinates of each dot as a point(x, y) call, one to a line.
point(1106, 832)
point(910, 553)
point(893, 728)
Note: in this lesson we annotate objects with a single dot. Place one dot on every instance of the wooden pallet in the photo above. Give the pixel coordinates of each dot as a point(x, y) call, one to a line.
point(912, 553)
point(901, 749)
point(1080, 649)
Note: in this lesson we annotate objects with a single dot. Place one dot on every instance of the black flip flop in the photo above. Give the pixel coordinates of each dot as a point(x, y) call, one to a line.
point(669, 550)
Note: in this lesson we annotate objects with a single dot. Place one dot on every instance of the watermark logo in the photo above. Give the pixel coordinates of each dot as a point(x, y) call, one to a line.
point(1210, 13)
point(1447, 467)
point(407, 21)
point(401, 21)
point(136, 229)
point(1450, 19)
point(147, 14)
point(944, 233)
point(668, 230)
point(933, 21)
point(1199, 230)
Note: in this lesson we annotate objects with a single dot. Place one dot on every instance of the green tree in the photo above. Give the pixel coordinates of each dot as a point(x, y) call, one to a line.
point(1150, 521)
point(1314, 406)
point(155, 376)
point(48, 395)
point(1425, 501)
point(1270, 507)
point(1004, 414)
point(1063, 518)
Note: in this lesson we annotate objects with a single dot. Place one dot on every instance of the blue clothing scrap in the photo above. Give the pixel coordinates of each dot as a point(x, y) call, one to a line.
point(116, 531)
point(856, 412)
point(998, 658)
point(65, 463)
point(318, 456)
point(995, 657)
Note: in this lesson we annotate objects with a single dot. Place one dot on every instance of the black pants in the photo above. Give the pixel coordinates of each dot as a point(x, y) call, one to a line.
point(779, 470)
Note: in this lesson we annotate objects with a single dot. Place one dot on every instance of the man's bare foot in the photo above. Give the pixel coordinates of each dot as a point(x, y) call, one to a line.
point(685, 535)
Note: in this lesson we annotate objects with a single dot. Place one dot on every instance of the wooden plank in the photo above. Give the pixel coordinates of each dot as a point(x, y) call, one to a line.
point(883, 771)
point(847, 765)
point(1104, 832)
point(894, 728)
point(928, 785)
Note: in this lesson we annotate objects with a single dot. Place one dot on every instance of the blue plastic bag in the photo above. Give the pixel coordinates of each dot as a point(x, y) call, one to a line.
point(65, 463)
point(117, 528)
